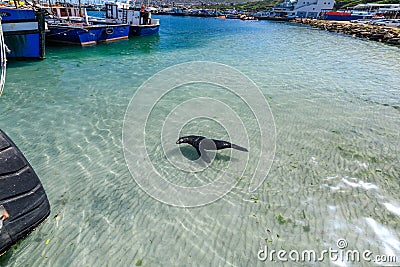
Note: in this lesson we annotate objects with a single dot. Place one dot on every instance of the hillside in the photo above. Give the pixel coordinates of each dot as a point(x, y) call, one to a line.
point(246, 6)
point(349, 3)
point(267, 4)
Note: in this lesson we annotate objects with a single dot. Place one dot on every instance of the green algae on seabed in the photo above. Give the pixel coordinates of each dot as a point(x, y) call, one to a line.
point(282, 220)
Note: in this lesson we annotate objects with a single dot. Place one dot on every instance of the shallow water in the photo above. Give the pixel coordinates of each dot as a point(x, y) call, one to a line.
point(336, 105)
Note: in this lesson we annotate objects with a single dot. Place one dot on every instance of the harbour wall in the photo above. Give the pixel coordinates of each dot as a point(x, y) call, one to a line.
point(384, 34)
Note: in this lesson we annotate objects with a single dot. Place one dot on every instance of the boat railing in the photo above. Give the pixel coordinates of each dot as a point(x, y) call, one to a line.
point(155, 21)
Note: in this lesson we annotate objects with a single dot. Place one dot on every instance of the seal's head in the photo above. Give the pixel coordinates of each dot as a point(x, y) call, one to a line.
point(186, 139)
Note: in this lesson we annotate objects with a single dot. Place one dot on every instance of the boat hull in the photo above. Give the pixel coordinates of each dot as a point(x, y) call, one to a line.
point(24, 33)
point(343, 16)
point(143, 30)
point(86, 35)
point(73, 35)
point(112, 33)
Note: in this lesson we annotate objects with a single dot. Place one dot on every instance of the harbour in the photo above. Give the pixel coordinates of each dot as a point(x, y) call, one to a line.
point(335, 103)
point(27, 27)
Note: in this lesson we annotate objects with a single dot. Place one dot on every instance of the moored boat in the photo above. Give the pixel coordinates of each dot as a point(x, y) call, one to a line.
point(232, 16)
point(78, 34)
point(139, 19)
point(68, 33)
point(24, 32)
point(346, 15)
point(71, 26)
point(290, 9)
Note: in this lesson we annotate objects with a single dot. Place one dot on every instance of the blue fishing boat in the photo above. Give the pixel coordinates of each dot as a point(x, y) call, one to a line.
point(24, 32)
point(138, 18)
point(68, 33)
point(112, 33)
point(79, 34)
point(68, 25)
point(143, 30)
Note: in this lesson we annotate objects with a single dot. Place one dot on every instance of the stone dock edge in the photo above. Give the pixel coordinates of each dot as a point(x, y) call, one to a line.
point(384, 34)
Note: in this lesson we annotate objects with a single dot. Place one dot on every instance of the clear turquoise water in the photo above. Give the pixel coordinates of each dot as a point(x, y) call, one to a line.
point(336, 105)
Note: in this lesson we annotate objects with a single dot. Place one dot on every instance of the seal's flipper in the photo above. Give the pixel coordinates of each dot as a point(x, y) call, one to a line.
point(203, 154)
point(239, 148)
point(220, 144)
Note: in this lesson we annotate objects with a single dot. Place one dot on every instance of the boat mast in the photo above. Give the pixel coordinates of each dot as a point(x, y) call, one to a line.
point(51, 7)
point(80, 8)
point(66, 8)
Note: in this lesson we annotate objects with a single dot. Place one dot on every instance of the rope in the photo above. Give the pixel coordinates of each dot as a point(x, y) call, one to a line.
point(3, 216)
point(1, 222)
point(3, 62)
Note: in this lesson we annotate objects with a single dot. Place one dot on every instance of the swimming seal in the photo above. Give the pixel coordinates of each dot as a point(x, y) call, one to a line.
point(202, 143)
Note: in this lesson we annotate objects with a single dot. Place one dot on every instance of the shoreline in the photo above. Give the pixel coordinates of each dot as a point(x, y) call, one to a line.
point(383, 34)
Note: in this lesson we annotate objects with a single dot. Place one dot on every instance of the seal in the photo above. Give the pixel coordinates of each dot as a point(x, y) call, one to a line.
point(202, 143)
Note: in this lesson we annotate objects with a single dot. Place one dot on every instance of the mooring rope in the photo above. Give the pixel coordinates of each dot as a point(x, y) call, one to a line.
point(3, 216)
point(3, 59)
point(1, 222)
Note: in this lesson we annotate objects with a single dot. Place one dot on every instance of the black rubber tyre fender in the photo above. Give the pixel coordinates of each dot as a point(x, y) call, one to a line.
point(23, 201)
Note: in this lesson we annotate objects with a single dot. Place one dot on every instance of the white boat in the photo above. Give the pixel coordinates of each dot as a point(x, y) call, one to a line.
point(138, 18)
point(298, 8)
point(387, 22)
